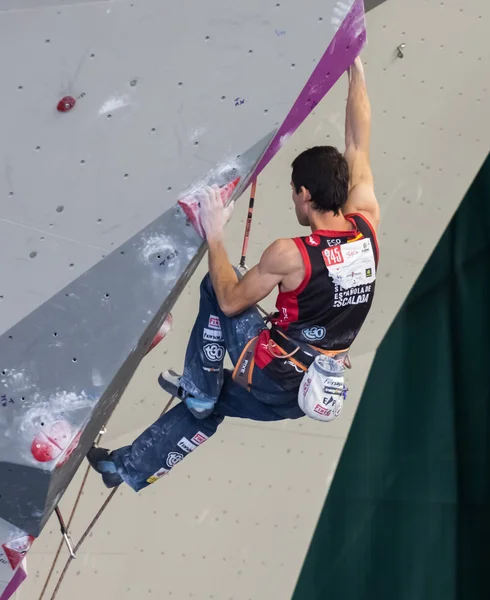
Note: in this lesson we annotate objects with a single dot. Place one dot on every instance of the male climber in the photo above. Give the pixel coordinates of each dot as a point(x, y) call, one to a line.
point(326, 282)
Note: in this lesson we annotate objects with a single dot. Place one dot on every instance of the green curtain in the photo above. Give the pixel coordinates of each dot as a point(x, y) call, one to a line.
point(408, 512)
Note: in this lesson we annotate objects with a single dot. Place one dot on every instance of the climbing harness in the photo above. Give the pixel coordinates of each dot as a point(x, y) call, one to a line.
point(279, 344)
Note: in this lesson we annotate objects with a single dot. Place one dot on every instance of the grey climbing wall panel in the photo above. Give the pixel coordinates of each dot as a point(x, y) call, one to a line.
point(66, 364)
point(53, 388)
point(95, 250)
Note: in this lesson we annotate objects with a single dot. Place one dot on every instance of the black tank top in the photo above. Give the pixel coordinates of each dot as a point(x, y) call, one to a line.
point(331, 304)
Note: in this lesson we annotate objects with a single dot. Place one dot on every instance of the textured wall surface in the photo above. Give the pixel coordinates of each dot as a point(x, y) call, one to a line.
point(113, 111)
point(235, 520)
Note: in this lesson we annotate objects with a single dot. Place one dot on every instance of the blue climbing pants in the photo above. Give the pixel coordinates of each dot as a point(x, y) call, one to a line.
point(178, 433)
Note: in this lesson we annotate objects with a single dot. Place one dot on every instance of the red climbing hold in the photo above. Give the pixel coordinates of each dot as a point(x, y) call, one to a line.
point(191, 206)
point(162, 332)
point(66, 103)
point(51, 441)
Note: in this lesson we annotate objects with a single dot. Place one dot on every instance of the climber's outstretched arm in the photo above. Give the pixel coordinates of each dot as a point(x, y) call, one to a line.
point(357, 141)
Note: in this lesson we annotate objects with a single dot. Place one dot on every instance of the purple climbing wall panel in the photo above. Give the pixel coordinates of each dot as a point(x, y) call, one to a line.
point(95, 247)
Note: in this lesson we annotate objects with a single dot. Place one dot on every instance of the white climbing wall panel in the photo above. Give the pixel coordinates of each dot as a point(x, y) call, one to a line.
point(234, 521)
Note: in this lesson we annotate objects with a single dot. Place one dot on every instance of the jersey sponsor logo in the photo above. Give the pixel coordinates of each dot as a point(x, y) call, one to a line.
point(352, 253)
point(173, 458)
point(158, 475)
point(214, 322)
point(314, 333)
point(356, 267)
point(212, 335)
point(186, 445)
point(333, 256)
point(243, 366)
point(199, 438)
point(352, 300)
point(313, 240)
point(321, 410)
point(356, 295)
point(214, 352)
point(334, 242)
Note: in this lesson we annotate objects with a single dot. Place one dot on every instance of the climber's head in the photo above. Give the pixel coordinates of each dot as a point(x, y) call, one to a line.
point(320, 182)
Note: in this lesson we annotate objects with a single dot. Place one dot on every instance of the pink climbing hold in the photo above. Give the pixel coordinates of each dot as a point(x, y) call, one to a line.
point(190, 204)
point(66, 104)
point(15, 550)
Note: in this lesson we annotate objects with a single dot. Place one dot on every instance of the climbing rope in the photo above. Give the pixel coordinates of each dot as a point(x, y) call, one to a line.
point(248, 225)
point(87, 531)
point(82, 539)
point(246, 236)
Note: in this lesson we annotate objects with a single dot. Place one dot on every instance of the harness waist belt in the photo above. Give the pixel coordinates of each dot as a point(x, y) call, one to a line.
point(303, 353)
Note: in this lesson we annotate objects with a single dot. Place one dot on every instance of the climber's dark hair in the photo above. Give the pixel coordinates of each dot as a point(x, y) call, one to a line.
point(324, 172)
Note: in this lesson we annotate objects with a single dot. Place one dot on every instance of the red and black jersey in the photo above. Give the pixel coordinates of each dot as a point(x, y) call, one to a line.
point(330, 305)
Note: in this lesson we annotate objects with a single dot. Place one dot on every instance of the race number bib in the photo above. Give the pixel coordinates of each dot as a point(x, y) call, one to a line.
point(351, 265)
